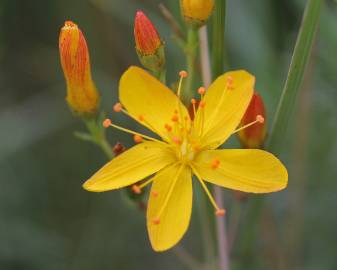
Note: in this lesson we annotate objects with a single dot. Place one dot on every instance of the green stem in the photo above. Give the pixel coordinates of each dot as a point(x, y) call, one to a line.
point(98, 136)
point(106, 148)
point(160, 75)
point(218, 55)
point(191, 51)
point(218, 38)
point(296, 72)
point(208, 242)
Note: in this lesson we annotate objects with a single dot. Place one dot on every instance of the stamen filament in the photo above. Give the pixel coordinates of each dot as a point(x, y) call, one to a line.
point(259, 119)
point(209, 195)
point(141, 119)
point(149, 181)
point(135, 133)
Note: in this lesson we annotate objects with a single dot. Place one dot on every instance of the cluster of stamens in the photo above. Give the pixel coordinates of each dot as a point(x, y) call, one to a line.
point(179, 134)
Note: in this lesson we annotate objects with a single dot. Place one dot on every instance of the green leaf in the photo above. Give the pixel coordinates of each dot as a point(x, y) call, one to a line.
point(296, 72)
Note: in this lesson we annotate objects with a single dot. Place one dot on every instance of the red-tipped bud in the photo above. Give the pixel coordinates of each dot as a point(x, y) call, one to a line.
point(82, 95)
point(254, 135)
point(150, 48)
point(146, 36)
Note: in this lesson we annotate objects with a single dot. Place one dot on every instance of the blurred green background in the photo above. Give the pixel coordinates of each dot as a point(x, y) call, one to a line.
point(47, 221)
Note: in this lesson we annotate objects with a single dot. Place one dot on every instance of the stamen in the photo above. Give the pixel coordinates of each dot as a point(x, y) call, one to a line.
point(194, 102)
point(137, 138)
point(107, 123)
point(175, 118)
point(215, 163)
point(154, 193)
point(117, 107)
point(136, 189)
point(176, 140)
point(202, 104)
point(183, 74)
point(168, 127)
point(259, 119)
point(141, 118)
point(230, 83)
point(201, 90)
point(220, 212)
point(156, 221)
point(209, 195)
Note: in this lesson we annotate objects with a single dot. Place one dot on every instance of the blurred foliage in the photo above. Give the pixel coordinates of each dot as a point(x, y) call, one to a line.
point(49, 222)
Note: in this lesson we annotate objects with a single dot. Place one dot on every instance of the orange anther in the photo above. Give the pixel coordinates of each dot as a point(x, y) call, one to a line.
point(201, 90)
point(202, 104)
point(230, 82)
point(220, 212)
point(260, 119)
point(168, 127)
point(193, 101)
point(175, 118)
point(141, 118)
point(154, 193)
point(156, 221)
point(176, 140)
point(117, 107)
point(136, 189)
point(106, 123)
point(183, 74)
point(137, 138)
point(215, 163)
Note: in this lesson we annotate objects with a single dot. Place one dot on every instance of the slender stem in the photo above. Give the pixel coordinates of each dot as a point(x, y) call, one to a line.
point(192, 46)
point(161, 75)
point(220, 221)
point(98, 136)
point(186, 258)
point(205, 228)
point(106, 148)
point(234, 224)
point(218, 38)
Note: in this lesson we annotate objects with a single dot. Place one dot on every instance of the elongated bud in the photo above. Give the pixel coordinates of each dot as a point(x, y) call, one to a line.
point(254, 135)
point(149, 47)
point(196, 12)
point(82, 95)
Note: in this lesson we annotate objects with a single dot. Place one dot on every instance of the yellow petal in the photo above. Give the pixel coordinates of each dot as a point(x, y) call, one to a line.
point(248, 170)
point(224, 108)
point(143, 95)
point(175, 216)
point(131, 166)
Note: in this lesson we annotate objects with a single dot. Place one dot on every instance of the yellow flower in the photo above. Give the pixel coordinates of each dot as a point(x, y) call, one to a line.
point(187, 148)
point(82, 95)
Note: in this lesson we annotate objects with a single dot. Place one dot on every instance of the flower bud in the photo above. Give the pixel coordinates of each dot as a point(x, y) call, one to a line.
point(82, 95)
point(149, 47)
point(254, 135)
point(196, 12)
